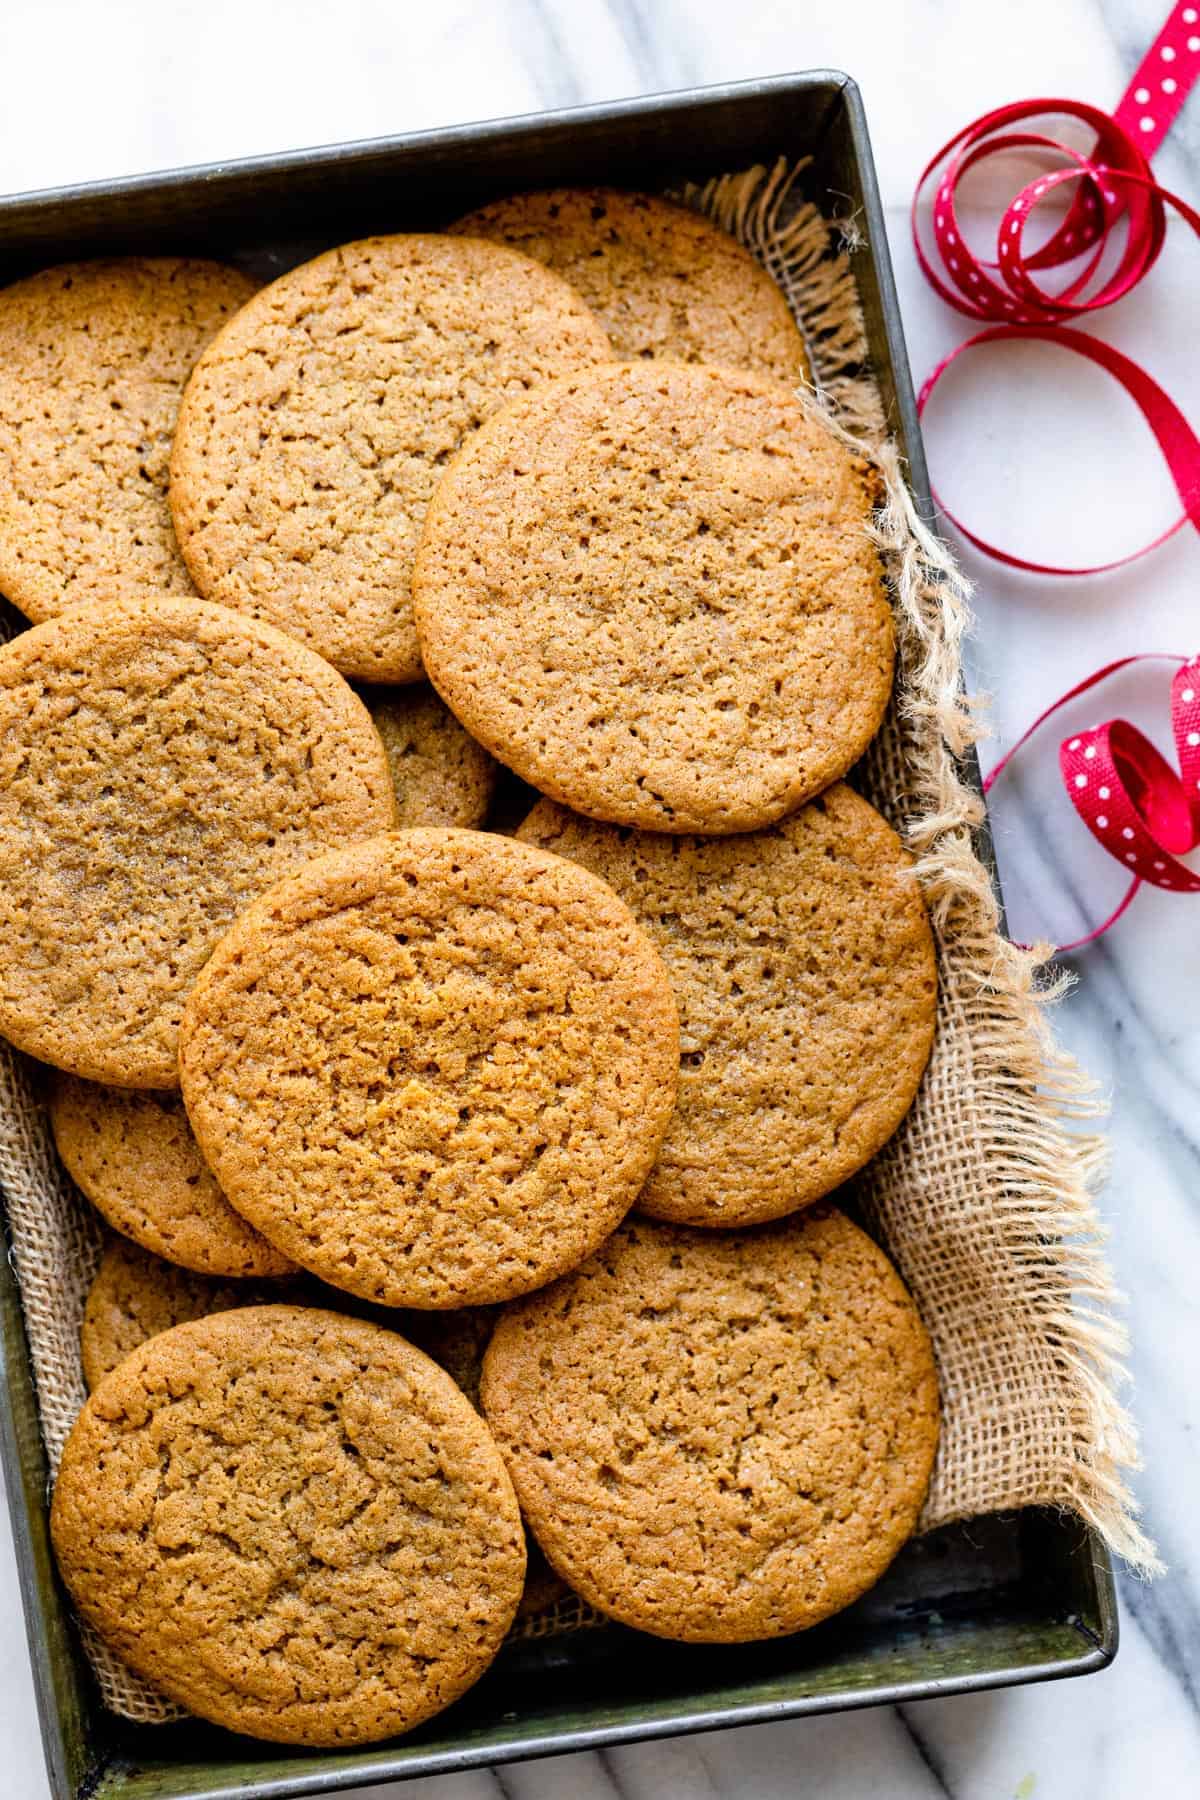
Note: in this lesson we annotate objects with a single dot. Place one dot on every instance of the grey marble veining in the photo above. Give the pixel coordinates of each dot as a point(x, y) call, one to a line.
point(117, 88)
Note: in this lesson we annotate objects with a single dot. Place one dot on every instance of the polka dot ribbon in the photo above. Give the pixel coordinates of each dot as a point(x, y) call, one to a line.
point(1107, 185)
point(1141, 810)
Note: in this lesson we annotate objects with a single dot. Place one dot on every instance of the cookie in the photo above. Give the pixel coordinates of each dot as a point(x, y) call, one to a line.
point(93, 360)
point(136, 1295)
point(160, 765)
point(440, 774)
point(435, 1068)
point(133, 1154)
point(803, 965)
point(719, 1437)
point(662, 280)
point(315, 427)
point(650, 590)
point(292, 1523)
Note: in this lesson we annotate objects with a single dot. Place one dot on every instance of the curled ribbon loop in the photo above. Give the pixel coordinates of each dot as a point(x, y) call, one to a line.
point(1113, 181)
point(1175, 438)
point(1109, 184)
point(1137, 807)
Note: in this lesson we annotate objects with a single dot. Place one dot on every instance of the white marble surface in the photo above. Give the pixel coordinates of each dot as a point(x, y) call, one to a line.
point(1047, 457)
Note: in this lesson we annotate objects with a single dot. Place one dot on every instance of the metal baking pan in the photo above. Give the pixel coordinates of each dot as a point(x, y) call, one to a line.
point(1003, 1600)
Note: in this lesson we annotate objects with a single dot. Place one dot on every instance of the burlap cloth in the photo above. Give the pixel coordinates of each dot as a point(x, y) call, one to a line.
point(983, 1197)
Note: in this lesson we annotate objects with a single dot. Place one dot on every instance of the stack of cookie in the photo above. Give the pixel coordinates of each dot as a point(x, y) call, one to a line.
point(468, 1181)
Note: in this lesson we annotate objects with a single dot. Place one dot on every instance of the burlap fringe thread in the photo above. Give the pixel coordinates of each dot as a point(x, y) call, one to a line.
point(984, 1196)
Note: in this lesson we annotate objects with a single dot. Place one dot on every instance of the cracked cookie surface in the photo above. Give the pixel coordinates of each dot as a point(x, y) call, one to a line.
point(650, 591)
point(803, 965)
point(93, 361)
point(315, 427)
point(133, 1154)
point(661, 279)
point(718, 1437)
point(434, 1069)
point(292, 1523)
point(161, 763)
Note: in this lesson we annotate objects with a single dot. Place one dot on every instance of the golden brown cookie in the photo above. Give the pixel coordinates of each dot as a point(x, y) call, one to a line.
point(133, 1155)
point(662, 280)
point(435, 1068)
point(803, 965)
point(136, 1295)
point(93, 360)
point(314, 429)
point(719, 1437)
point(650, 590)
point(160, 765)
point(292, 1523)
point(440, 774)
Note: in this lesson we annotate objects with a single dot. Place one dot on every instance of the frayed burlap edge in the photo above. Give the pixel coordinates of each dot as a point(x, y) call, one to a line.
point(984, 1196)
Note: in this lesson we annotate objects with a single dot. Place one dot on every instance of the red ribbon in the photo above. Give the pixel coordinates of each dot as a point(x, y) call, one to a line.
point(1176, 439)
point(1134, 804)
point(1130, 798)
point(1113, 183)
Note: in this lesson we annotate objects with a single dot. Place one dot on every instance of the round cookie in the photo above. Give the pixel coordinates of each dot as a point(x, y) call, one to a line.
point(133, 1154)
point(662, 280)
point(440, 774)
point(93, 360)
point(160, 765)
point(719, 1437)
point(292, 1523)
point(435, 1068)
point(315, 428)
point(136, 1295)
point(803, 965)
point(650, 590)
